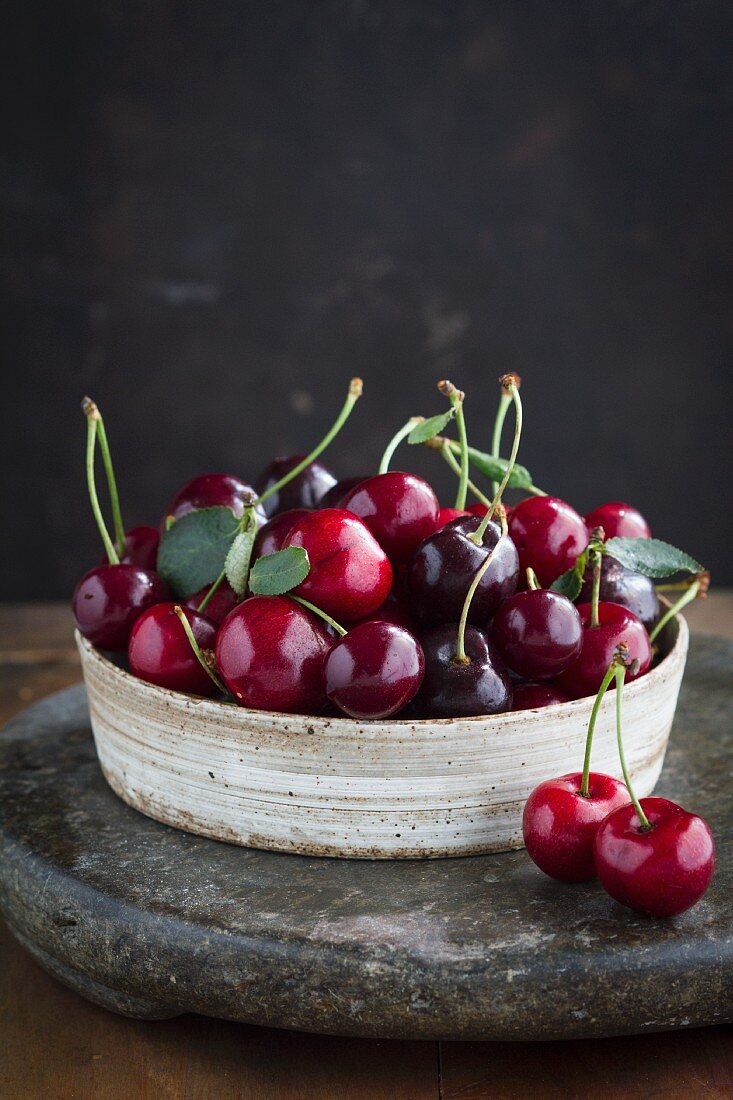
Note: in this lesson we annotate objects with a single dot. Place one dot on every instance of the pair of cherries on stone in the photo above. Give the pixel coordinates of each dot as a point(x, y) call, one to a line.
point(650, 854)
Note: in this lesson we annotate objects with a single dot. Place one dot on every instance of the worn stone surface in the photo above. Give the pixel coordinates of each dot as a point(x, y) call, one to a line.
point(153, 922)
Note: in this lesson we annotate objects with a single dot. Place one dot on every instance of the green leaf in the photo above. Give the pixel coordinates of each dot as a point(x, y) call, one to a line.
point(278, 573)
point(421, 433)
point(652, 557)
point(569, 584)
point(495, 468)
point(194, 548)
point(238, 559)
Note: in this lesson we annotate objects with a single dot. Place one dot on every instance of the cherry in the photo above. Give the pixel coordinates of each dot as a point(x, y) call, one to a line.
point(304, 491)
point(160, 653)
point(538, 633)
point(224, 600)
point(374, 670)
point(631, 590)
point(394, 610)
point(528, 696)
point(440, 572)
point(337, 492)
point(272, 535)
point(455, 689)
point(211, 491)
point(107, 601)
point(616, 625)
point(399, 509)
point(447, 515)
point(619, 521)
point(350, 575)
point(270, 652)
point(140, 547)
point(661, 869)
point(548, 534)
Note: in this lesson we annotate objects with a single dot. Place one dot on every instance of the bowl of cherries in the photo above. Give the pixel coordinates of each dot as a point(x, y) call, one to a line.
point(348, 668)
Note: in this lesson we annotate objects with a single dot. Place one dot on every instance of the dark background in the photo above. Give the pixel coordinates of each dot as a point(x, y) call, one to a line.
point(215, 213)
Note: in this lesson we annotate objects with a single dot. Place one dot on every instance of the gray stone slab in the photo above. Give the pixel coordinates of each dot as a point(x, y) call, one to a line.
point(152, 922)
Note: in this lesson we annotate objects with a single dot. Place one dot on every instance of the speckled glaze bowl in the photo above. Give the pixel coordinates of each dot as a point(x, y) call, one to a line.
point(370, 790)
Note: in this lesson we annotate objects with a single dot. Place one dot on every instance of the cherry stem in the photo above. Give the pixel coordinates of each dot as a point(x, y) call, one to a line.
point(213, 588)
point(317, 611)
point(395, 442)
point(90, 409)
point(450, 458)
point(504, 402)
point(460, 657)
point(620, 673)
point(355, 391)
point(532, 583)
point(595, 558)
point(687, 597)
point(92, 427)
point(456, 397)
point(584, 785)
point(511, 388)
point(197, 649)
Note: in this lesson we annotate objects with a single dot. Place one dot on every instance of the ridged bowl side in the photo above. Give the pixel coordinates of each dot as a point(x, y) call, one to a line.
point(338, 787)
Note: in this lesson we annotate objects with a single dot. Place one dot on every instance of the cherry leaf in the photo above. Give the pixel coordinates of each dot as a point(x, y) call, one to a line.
point(495, 468)
point(421, 433)
point(277, 573)
point(194, 548)
point(238, 559)
point(569, 584)
point(652, 557)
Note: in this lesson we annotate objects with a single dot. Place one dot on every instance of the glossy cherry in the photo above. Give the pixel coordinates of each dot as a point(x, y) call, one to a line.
point(211, 491)
point(631, 590)
point(538, 633)
point(663, 870)
point(374, 670)
point(160, 652)
point(107, 601)
point(440, 572)
point(528, 696)
point(141, 547)
point(616, 625)
point(394, 610)
point(337, 492)
point(399, 509)
point(350, 575)
point(224, 600)
point(272, 535)
point(304, 491)
point(559, 824)
point(548, 534)
point(447, 515)
point(619, 521)
point(454, 690)
point(270, 652)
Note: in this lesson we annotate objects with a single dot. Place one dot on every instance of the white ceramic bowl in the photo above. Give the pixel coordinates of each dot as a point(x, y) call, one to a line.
point(374, 790)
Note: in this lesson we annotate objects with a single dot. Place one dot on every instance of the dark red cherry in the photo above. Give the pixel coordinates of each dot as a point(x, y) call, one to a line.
point(224, 600)
point(661, 871)
point(270, 652)
point(107, 601)
point(447, 515)
point(272, 535)
point(529, 696)
point(337, 492)
point(548, 534)
point(440, 572)
point(453, 690)
point(375, 670)
point(141, 547)
point(559, 824)
point(599, 644)
point(304, 491)
point(632, 590)
point(394, 610)
point(399, 509)
point(211, 491)
point(350, 575)
point(160, 653)
point(538, 633)
point(619, 520)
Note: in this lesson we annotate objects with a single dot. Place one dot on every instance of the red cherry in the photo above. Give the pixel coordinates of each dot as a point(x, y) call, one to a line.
point(480, 510)
point(661, 871)
point(619, 521)
point(350, 575)
point(107, 601)
point(616, 625)
point(304, 491)
point(160, 653)
point(211, 491)
point(272, 535)
point(141, 547)
point(529, 696)
point(337, 492)
point(538, 633)
point(399, 509)
point(447, 515)
point(270, 652)
point(548, 534)
point(559, 824)
point(374, 670)
point(393, 610)
point(224, 600)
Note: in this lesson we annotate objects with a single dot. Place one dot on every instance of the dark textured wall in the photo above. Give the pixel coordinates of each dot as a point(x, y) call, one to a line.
point(216, 213)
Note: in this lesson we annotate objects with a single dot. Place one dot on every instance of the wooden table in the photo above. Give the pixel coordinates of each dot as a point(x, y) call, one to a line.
point(53, 1044)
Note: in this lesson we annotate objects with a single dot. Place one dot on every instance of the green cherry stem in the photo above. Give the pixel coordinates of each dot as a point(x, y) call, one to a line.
point(595, 554)
point(450, 458)
point(456, 396)
point(92, 416)
point(532, 583)
point(395, 442)
point(620, 673)
point(355, 392)
point(213, 589)
point(91, 409)
point(509, 382)
point(696, 588)
point(605, 683)
point(504, 402)
point(461, 658)
point(317, 611)
point(197, 649)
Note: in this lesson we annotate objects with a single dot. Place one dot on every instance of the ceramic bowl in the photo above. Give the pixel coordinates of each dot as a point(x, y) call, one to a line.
point(398, 789)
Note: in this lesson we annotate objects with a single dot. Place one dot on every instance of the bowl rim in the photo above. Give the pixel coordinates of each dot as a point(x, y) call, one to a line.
point(332, 723)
